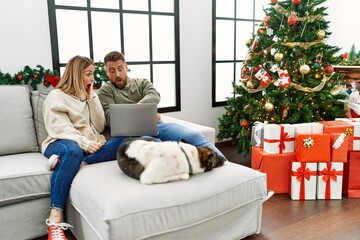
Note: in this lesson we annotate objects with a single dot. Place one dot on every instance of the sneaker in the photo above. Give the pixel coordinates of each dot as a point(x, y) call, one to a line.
point(56, 230)
point(269, 195)
point(53, 162)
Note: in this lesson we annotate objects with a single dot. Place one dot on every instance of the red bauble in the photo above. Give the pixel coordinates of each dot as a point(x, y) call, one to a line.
point(329, 69)
point(256, 68)
point(244, 123)
point(292, 19)
point(296, 2)
point(273, 1)
point(19, 77)
point(35, 76)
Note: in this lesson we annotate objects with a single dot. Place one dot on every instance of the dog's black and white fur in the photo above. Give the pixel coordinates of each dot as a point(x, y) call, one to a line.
point(151, 161)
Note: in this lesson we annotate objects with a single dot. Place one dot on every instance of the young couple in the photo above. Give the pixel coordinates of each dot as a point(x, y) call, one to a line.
point(75, 116)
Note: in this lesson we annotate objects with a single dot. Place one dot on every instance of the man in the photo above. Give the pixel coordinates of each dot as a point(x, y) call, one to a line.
point(122, 89)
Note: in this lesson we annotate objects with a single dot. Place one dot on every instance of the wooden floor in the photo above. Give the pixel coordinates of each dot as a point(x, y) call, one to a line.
point(284, 218)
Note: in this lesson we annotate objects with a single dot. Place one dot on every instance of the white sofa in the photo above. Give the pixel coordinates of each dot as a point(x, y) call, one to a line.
point(225, 203)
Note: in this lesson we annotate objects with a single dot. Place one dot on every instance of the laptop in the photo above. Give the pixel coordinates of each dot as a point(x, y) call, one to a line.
point(133, 120)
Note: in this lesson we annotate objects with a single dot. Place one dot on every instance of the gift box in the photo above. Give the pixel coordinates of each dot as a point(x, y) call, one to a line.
point(313, 147)
point(303, 181)
point(330, 180)
point(339, 147)
point(276, 167)
point(316, 127)
point(257, 134)
point(339, 127)
point(356, 134)
point(279, 138)
point(348, 119)
point(351, 178)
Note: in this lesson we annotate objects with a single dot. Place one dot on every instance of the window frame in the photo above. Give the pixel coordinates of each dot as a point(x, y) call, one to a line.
point(52, 7)
point(235, 19)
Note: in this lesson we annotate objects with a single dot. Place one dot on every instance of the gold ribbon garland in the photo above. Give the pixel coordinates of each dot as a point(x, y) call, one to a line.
point(297, 86)
point(287, 13)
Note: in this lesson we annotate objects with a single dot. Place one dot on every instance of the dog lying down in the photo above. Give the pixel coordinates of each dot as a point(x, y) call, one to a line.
point(152, 161)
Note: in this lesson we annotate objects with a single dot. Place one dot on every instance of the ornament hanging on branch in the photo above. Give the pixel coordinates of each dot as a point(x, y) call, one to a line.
point(304, 69)
point(292, 19)
point(269, 106)
point(285, 112)
point(296, 2)
point(264, 77)
point(320, 34)
point(329, 69)
point(284, 78)
point(278, 57)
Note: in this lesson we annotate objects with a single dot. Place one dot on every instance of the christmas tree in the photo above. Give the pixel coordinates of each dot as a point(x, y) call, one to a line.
point(287, 76)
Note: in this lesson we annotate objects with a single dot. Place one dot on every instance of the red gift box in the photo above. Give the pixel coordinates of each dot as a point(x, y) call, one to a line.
point(351, 180)
point(338, 154)
point(340, 127)
point(276, 166)
point(313, 147)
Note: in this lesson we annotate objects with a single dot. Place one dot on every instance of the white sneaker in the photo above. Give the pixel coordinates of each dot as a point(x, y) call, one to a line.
point(53, 162)
point(269, 195)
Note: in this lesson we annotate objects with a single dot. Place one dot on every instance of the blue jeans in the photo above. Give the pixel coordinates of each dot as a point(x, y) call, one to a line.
point(177, 132)
point(71, 155)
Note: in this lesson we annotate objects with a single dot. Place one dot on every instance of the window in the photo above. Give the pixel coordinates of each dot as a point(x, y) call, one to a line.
point(146, 31)
point(234, 22)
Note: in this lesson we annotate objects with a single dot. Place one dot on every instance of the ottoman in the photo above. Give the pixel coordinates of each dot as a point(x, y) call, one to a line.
point(225, 203)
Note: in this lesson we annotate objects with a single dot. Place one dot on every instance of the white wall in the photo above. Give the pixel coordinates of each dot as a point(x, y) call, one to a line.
point(25, 40)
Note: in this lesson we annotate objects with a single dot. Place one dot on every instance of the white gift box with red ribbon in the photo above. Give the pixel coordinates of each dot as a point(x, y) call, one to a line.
point(279, 138)
point(330, 180)
point(303, 181)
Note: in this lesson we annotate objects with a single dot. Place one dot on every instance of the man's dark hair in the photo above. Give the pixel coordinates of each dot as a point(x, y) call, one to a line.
point(114, 56)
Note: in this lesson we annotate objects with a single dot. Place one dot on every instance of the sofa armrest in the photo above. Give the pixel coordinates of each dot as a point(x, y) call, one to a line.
point(208, 132)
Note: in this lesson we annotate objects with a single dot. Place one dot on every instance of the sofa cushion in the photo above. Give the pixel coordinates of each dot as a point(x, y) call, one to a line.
point(16, 120)
point(117, 205)
point(22, 177)
point(37, 100)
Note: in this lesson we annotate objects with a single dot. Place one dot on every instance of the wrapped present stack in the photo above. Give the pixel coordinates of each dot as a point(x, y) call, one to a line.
point(319, 160)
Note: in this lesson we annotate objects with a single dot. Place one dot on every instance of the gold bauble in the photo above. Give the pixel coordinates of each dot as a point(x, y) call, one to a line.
point(248, 42)
point(320, 34)
point(278, 57)
point(250, 85)
point(304, 69)
point(317, 75)
point(269, 106)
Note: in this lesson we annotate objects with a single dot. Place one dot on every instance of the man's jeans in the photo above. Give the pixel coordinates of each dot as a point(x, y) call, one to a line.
point(177, 132)
point(71, 155)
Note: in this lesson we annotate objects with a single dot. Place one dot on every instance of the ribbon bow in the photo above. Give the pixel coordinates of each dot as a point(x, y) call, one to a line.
point(332, 174)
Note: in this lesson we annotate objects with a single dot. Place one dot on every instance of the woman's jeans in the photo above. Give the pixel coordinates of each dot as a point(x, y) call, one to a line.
point(71, 155)
point(178, 133)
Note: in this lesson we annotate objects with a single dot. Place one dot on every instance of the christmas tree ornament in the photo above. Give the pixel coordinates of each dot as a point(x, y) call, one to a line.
point(248, 42)
point(256, 68)
point(304, 69)
point(244, 123)
point(320, 34)
point(264, 77)
point(316, 65)
point(261, 31)
point(269, 32)
point(300, 105)
point(269, 106)
point(244, 73)
point(278, 57)
point(250, 85)
point(284, 78)
point(19, 77)
point(273, 1)
point(329, 69)
point(296, 2)
point(285, 113)
point(292, 19)
point(317, 75)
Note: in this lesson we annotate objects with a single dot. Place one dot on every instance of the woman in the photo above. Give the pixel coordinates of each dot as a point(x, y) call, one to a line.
point(74, 119)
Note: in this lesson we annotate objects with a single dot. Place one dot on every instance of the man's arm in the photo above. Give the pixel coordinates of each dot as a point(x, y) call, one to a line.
point(149, 92)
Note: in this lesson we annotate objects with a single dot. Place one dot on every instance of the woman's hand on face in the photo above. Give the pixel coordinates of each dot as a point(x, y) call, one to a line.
point(94, 147)
point(90, 92)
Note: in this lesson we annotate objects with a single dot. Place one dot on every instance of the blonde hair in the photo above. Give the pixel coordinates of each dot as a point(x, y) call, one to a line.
point(71, 81)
